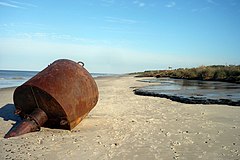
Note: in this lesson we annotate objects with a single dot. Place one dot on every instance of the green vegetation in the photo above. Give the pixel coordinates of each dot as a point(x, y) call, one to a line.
point(229, 73)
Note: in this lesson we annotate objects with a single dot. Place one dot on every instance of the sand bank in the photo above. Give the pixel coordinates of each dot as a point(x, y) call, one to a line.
point(127, 126)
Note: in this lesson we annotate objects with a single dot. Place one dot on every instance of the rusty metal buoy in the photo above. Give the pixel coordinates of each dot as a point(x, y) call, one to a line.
point(60, 96)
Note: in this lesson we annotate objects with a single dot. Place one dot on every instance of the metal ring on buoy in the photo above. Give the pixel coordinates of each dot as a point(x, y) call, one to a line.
point(80, 62)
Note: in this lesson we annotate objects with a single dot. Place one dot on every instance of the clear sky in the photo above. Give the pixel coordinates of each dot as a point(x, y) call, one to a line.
point(118, 36)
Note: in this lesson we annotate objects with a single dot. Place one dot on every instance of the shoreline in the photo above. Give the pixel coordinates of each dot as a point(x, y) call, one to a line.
point(188, 100)
point(127, 126)
point(11, 78)
point(8, 88)
point(223, 93)
point(197, 79)
point(95, 78)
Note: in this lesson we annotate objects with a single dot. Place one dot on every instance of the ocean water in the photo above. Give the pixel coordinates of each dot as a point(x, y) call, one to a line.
point(10, 78)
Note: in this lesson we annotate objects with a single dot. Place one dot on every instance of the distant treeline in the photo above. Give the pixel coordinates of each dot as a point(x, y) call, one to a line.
point(230, 73)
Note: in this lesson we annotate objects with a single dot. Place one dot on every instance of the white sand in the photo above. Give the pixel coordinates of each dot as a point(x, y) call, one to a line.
point(127, 126)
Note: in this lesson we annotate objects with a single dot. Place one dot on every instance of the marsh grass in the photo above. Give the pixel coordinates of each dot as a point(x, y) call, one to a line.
point(229, 73)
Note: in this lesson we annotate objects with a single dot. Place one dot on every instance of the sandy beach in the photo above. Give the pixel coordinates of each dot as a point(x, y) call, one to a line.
point(127, 126)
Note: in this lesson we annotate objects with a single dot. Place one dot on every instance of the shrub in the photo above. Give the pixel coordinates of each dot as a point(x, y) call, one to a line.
point(215, 72)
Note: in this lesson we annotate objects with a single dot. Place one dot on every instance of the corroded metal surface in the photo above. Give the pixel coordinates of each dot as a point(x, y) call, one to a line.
point(65, 91)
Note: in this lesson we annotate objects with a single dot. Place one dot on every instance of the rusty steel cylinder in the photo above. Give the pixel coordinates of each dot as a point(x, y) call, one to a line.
point(60, 96)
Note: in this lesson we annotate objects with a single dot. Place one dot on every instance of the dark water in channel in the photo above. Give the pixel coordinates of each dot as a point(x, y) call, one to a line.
point(193, 91)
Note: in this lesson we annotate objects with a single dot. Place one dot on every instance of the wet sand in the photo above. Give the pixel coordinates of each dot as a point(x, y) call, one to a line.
point(127, 126)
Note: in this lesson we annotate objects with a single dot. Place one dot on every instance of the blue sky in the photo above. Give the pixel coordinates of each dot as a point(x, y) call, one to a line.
point(119, 36)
